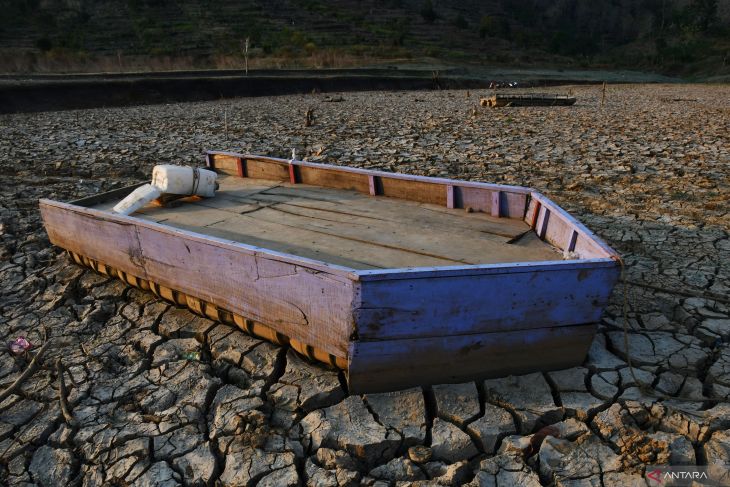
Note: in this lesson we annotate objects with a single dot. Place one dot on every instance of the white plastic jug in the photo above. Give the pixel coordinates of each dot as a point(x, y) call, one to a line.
point(169, 179)
point(184, 180)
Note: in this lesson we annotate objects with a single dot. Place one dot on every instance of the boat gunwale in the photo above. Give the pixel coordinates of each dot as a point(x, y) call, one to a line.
point(611, 258)
point(208, 239)
point(483, 269)
point(580, 228)
point(374, 172)
point(531, 193)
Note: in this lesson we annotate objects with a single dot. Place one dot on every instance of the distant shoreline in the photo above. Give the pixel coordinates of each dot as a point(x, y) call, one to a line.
point(50, 92)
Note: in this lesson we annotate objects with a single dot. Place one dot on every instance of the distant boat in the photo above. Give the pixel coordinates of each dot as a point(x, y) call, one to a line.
point(527, 100)
point(398, 280)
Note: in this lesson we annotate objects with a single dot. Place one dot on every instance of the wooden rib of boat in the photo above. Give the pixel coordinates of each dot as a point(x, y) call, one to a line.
point(527, 100)
point(399, 280)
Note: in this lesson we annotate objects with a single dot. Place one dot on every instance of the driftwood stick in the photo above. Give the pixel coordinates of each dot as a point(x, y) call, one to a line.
point(63, 395)
point(29, 371)
point(309, 117)
point(225, 121)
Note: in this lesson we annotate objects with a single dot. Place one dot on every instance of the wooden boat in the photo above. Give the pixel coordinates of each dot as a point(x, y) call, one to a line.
point(398, 280)
point(527, 100)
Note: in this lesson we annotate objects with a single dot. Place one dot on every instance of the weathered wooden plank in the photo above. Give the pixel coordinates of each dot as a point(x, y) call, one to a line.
point(225, 164)
point(373, 185)
point(482, 269)
point(527, 100)
point(324, 246)
point(588, 245)
point(407, 186)
point(421, 191)
point(457, 246)
point(587, 248)
point(286, 232)
point(190, 216)
point(396, 364)
point(507, 205)
point(520, 299)
point(112, 242)
point(264, 170)
point(334, 179)
point(398, 220)
point(233, 197)
point(309, 306)
point(312, 304)
point(392, 210)
point(401, 176)
point(232, 163)
point(558, 231)
point(456, 238)
point(496, 209)
point(290, 230)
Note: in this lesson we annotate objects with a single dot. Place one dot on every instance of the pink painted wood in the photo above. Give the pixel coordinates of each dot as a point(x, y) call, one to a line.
point(396, 327)
point(372, 185)
point(392, 175)
point(468, 194)
point(287, 293)
point(496, 203)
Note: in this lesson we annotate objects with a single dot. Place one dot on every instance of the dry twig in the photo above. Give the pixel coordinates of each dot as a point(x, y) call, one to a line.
point(29, 371)
point(63, 395)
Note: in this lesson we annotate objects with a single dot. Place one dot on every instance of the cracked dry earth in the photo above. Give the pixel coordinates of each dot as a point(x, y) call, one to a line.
point(163, 397)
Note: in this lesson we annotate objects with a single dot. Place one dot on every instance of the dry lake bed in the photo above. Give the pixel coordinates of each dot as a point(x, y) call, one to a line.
point(162, 397)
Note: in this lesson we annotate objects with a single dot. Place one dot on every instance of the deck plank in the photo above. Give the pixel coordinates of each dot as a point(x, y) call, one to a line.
point(394, 210)
point(423, 240)
point(348, 228)
point(316, 245)
point(290, 239)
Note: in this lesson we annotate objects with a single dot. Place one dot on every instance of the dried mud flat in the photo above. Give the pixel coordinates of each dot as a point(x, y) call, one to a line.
point(162, 397)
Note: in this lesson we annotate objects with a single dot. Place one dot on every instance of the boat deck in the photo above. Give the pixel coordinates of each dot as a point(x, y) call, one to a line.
point(349, 228)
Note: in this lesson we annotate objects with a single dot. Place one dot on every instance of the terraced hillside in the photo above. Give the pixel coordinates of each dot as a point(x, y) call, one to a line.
point(670, 35)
